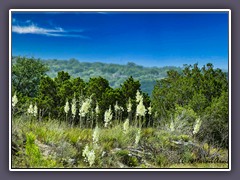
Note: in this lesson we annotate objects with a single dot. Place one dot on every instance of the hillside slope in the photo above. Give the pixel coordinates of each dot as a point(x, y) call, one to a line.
point(116, 74)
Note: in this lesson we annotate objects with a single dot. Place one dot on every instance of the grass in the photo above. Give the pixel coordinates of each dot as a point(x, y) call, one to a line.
point(50, 144)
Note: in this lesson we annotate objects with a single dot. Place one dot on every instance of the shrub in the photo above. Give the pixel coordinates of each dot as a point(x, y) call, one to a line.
point(127, 159)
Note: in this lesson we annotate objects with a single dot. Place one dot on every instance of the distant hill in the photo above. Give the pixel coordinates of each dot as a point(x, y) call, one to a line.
point(116, 74)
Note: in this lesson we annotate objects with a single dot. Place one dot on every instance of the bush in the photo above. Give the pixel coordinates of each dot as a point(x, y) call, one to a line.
point(127, 159)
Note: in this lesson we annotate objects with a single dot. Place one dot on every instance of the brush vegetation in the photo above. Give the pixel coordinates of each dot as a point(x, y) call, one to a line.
point(67, 122)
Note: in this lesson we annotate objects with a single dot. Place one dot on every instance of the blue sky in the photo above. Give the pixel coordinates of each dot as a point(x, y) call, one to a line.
point(148, 39)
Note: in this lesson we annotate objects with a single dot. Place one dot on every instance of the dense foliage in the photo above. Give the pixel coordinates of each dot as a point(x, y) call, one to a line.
point(115, 74)
point(203, 92)
point(191, 105)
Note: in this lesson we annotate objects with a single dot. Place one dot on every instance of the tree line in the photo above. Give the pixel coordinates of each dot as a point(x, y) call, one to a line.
point(116, 74)
point(178, 101)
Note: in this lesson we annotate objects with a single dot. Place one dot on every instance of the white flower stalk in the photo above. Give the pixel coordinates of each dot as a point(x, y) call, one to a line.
point(172, 128)
point(141, 110)
point(97, 110)
point(138, 135)
point(96, 134)
point(74, 108)
point(66, 107)
point(108, 116)
point(35, 110)
point(89, 156)
point(30, 109)
point(138, 96)
point(14, 100)
point(129, 106)
point(85, 108)
point(121, 108)
point(126, 126)
point(116, 107)
point(150, 110)
point(85, 151)
point(197, 126)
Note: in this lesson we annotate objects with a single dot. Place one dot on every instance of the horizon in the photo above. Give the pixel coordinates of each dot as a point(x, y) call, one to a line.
point(115, 63)
point(149, 39)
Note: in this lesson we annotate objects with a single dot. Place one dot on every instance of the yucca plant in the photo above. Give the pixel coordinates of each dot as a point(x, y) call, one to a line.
point(129, 109)
point(66, 109)
point(14, 102)
point(108, 117)
point(84, 110)
point(74, 110)
point(97, 112)
point(89, 155)
point(140, 111)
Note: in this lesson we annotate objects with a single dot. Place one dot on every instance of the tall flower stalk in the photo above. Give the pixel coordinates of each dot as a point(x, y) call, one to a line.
point(126, 126)
point(66, 109)
point(74, 109)
point(129, 109)
point(89, 155)
point(197, 126)
point(96, 134)
point(84, 110)
point(14, 101)
point(35, 110)
point(97, 112)
point(138, 136)
point(108, 117)
point(117, 109)
point(150, 115)
point(141, 110)
point(32, 111)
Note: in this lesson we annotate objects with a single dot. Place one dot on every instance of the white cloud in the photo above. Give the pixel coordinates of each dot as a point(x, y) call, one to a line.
point(33, 29)
point(102, 12)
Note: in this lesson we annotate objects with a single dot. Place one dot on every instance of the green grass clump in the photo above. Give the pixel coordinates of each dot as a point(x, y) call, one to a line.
point(127, 159)
point(34, 158)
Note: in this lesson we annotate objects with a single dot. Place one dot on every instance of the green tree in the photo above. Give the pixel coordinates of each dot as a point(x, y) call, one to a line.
point(26, 75)
point(78, 86)
point(194, 87)
point(96, 87)
point(129, 88)
point(47, 98)
point(215, 122)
